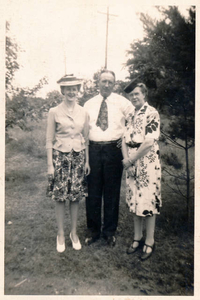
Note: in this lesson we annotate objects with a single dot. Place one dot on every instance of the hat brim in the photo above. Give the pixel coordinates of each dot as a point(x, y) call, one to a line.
point(130, 87)
point(69, 83)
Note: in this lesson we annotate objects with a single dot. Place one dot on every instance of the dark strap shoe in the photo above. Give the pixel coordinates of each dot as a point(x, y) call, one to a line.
point(146, 255)
point(132, 249)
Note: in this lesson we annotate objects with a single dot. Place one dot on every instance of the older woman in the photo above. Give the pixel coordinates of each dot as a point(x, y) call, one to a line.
point(67, 156)
point(141, 161)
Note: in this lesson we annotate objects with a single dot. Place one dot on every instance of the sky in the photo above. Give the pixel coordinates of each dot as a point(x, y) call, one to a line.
point(66, 36)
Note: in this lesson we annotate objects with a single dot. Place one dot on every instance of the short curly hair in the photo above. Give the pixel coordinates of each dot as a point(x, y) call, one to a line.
point(143, 88)
point(63, 86)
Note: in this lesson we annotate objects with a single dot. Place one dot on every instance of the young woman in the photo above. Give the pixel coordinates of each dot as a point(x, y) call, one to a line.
point(142, 163)
point(67, 157)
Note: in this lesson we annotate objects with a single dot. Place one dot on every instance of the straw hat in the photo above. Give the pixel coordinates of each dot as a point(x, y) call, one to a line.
point(69, 80)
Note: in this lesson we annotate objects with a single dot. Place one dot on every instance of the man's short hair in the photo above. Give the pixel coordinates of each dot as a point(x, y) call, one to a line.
point(107, 71)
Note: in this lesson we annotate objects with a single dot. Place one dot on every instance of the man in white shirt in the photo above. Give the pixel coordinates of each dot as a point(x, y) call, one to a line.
point(107, 113)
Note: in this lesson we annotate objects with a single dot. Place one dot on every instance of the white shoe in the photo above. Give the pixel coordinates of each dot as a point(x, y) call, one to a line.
point(77, 245)
point(60, 247)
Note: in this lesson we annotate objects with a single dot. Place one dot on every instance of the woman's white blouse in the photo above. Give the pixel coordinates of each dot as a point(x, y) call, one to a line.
point(143, 125)
point(67, 131)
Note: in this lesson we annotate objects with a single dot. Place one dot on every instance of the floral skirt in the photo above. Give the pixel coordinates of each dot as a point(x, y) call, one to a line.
point(143, 190)
point(69, 176)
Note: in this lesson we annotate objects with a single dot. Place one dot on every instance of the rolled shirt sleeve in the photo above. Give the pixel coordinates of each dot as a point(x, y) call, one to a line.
point(128, 109)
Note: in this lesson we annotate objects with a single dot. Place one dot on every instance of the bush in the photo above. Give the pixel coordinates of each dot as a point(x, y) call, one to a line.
point(32, 141)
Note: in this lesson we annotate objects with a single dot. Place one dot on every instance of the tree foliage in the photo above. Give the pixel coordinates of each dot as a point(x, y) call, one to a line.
point(11, 58)
point(165, 61)
point(24, 105)
point(21, 103)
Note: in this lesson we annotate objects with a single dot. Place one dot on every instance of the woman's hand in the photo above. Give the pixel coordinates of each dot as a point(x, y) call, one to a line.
point(50, 170)
point(87, 169)
point(126, 163)
point(131, 171)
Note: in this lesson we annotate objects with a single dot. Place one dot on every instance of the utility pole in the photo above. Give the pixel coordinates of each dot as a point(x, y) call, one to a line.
point(106, 51)
point(107, 22)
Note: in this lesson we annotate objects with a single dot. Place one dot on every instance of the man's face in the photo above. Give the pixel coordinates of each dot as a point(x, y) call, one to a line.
point(106, 84)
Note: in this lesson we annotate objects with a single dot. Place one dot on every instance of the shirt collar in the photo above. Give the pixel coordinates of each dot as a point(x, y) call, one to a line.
point(106, 97)
point(64, 108)
point(143, 108)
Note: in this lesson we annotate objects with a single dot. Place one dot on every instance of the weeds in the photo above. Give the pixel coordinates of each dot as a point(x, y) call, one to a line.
point(30, 142)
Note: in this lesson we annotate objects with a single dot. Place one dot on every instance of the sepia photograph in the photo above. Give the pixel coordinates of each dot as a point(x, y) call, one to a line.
point(99, 185)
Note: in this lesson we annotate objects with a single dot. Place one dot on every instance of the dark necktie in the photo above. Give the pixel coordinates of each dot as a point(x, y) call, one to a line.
point(102, 120)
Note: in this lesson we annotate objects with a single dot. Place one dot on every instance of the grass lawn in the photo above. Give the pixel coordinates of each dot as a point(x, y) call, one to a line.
point(32, 265)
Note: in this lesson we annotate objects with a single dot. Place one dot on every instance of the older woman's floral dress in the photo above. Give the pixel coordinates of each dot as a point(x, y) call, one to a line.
point(143, 190)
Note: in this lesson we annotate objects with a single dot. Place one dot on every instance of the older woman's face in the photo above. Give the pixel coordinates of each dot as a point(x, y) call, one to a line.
point(71, 92)
point(137, 98)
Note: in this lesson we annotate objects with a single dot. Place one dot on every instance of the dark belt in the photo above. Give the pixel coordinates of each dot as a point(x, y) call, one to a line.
point(104, 143)
point(133, 145)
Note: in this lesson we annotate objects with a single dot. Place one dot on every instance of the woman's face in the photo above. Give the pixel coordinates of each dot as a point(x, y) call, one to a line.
point(71, 93)
point(137, 98)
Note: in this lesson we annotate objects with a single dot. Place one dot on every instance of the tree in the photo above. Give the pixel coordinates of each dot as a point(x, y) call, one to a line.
point(19, 101)
point(24, 105)
point(165, 61)
point(90, 88)
point(11, 58)
point(53, 98)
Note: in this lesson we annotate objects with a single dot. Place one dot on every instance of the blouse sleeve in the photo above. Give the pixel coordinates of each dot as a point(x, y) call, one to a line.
point(86, 129)
point(152, 128)
point(51, 128)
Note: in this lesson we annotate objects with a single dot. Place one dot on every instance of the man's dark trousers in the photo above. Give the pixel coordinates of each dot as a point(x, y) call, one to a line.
point(104, 182)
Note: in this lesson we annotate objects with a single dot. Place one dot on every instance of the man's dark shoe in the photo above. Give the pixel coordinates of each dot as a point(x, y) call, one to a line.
point(111, 241)
point(91, 239)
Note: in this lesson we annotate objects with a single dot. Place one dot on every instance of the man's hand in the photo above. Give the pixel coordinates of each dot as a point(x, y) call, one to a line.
point(119, 143)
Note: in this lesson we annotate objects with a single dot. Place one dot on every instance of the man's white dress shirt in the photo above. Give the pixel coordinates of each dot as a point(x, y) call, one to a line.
point(119, 109)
